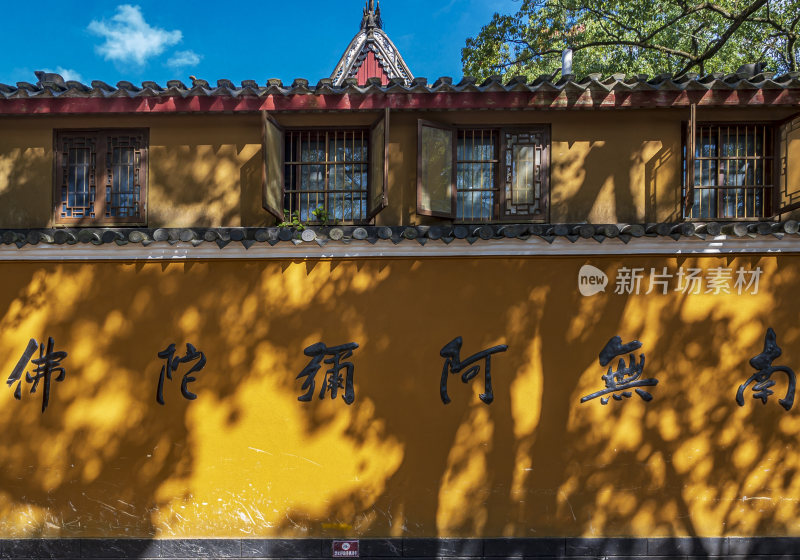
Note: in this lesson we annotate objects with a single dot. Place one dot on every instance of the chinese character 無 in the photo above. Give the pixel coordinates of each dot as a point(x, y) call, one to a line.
point(451, 352)
point(626, 376)
point(763, 377)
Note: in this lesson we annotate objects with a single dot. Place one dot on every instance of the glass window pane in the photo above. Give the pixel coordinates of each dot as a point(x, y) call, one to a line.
point(437, 169)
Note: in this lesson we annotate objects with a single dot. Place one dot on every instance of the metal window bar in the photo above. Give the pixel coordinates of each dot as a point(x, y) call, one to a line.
point(78, 168)
point(476, 169)
point(327, 170)
point(732, 171)
point(123, 189)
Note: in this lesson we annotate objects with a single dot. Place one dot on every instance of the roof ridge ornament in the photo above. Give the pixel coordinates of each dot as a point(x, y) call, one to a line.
point(372, 16)
point(371, 53)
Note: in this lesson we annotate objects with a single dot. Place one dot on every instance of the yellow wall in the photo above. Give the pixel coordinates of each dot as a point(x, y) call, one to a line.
point(205, 171)
point(246, 458)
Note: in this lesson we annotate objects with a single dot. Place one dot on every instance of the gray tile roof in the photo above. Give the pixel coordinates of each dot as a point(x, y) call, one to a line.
point(398, 234)
point(54, 86)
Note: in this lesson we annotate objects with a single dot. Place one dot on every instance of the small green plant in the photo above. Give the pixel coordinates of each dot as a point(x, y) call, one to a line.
point(292, 220)
point(321, 215)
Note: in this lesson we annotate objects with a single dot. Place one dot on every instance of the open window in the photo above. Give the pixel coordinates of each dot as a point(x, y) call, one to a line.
point(325, 174)
point(480, 174)
point(272, 170)
point(731, 170)
point(378, 165)
point(788, 165)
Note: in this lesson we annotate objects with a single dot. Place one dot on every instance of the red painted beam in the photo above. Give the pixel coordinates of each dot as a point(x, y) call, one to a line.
point(400, 101)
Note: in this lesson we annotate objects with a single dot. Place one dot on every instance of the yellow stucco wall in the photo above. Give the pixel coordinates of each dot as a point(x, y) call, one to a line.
point(205, 171)
point(246, 458)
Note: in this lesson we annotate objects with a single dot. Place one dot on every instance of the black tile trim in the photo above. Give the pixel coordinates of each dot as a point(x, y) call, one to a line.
point(483, 233)
point(572, 548)
point(52, 85)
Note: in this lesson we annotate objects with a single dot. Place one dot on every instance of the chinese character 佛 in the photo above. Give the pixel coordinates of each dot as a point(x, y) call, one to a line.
point(453, 364)
point(763, 377)
point(47, 364)
point(171, 363)
point(626, 376)
point(333, 380)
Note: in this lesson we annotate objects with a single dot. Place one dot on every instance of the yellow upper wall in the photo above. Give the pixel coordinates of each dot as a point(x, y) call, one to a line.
point(205, 170)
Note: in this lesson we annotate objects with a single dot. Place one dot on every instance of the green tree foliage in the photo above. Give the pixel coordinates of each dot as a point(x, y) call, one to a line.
point(637, 36)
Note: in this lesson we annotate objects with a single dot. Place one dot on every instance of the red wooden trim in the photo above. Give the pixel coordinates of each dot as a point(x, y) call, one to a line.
point(380, 101)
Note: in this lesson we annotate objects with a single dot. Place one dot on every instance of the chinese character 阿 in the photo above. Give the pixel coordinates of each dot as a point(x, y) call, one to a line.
point(451, 353)
point(626, 376)
point(333, 380)
point(47, 364)
point(171, 363)
point(763, 377)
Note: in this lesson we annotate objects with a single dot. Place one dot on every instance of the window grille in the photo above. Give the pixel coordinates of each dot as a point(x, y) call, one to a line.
point(733, 171)
point(327, 170)
point(101, 177)
point(476, 174)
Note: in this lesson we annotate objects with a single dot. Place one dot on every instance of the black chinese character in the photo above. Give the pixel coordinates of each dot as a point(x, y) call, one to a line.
point(626, 376)
point(451, 352)
point(333, 380)
point(47, 364)
point(763, 377)
point(171, 363)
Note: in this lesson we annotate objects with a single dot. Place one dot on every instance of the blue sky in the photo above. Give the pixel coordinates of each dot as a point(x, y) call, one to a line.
point(237, 40)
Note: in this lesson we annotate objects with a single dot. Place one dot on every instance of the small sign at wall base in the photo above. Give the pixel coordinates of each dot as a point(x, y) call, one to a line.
point(347, 549)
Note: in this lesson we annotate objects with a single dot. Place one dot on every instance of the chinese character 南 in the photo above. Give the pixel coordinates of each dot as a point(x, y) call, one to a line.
point(763, 377)
point(333, 380)
point(626, 376)
point(451, 352)
point(171, 363)
point(47, 364)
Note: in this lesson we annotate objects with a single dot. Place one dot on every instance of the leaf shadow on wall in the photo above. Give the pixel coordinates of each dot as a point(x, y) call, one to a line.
point(246, 458)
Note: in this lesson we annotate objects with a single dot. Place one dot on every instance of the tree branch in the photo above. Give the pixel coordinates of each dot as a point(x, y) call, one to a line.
point(537, 54)
point(718, 44)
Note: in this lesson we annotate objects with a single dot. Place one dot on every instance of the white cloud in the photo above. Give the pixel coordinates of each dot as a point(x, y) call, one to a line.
point(130, 39)
point(66, 73)
point(184, 58)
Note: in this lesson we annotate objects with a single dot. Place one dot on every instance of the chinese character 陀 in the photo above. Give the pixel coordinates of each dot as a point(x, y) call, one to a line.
point(333, 380)
point(451, 352)
point(763, 377)
point(47, 364)
point(626, 376)
point(171, 363)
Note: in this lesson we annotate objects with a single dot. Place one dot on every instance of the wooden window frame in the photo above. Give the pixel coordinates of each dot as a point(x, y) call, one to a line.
point(102, 138)
point(321, 134)
point(496, 189)
point(274, 166)
point(770, 202)
point(499, 189)
point(781, 171)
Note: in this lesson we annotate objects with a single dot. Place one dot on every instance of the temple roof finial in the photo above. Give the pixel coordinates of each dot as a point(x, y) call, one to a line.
point(372, 16)
point(371, 53)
